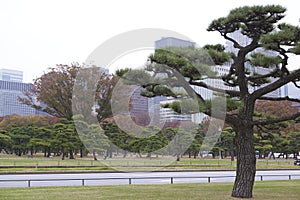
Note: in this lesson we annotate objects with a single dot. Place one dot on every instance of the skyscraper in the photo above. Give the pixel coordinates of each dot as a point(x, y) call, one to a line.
point(138, 107)
point(173, 42)
point(11, 75)
point(11, 88)
point(157, 113)
point(9, 103)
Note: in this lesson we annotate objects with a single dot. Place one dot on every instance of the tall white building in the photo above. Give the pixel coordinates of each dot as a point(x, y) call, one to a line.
point(208, 94)
point(168, 115)
point(11, 75)
point(157, 113)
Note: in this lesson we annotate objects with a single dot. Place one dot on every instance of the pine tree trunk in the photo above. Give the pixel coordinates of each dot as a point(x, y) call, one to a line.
point(72, 154)
point(246, 162)
point(49, 152)
point(81, 153)
point(195, 155)
point(31, 151)
point(63, 154)
point(94, 155)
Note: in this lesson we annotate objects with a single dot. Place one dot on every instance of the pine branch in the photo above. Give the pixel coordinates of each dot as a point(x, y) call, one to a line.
point(229, 118)
point(235, 43)
point(287, 98)
point(275, 120)
point(257, 77)
point(239, 65)
point(296, 85)
point(276, 84)
point(231, 93)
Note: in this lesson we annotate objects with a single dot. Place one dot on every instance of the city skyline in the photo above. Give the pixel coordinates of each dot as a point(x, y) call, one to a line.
point(38, 35)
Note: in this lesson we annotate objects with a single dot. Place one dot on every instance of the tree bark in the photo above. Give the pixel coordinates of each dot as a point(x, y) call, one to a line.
point(81, 153)
point(178, 157)
point(49, 152)
point(246, 162)
point(231, 152)
point(63, 154)
point(72, 154)
point(94, 155)
point(19, 152)
point(149, 155)
point(195, 155)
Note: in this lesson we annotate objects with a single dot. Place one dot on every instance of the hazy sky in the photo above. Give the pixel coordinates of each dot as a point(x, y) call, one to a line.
point(36, 35)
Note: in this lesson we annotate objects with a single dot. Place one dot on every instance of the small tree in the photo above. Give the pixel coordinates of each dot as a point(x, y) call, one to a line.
point(5, 141)
point(96, 141)
point(294, 145)
point(66, 138)
point(52, 92)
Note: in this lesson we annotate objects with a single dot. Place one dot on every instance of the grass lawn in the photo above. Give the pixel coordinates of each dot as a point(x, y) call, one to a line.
point(10, 163)
point(266, 190)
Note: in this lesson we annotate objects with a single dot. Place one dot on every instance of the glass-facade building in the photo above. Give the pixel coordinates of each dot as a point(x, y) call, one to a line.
point(11, 75)
point(9, 93)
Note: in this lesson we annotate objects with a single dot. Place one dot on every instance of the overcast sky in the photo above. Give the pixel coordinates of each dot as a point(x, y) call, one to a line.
point(36, 35)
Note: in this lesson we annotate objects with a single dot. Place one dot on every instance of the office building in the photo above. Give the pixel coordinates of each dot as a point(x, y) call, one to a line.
point(293, 92)
point(11, 88)
point(158, 114)
point(168, 115)
point(9, 94)
point(11, 75)
point(173, 42)
point(138, 107)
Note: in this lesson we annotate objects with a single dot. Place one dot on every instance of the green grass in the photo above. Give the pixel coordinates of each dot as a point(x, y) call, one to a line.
point(267, 190)
point(8, 160)
point(39, 163)
point(8, 170)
